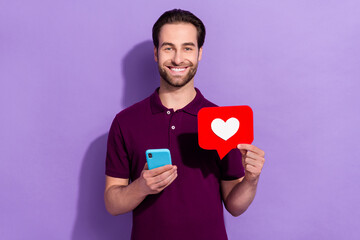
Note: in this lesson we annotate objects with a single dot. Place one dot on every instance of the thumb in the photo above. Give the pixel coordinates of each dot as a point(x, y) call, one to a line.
point(146, 167)
point(243, 151)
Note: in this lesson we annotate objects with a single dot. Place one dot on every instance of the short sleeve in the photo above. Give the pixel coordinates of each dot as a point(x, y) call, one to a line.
point(117, 161)
point(231, 166)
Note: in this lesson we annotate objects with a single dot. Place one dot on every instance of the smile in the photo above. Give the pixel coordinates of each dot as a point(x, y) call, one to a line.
point(177, 69)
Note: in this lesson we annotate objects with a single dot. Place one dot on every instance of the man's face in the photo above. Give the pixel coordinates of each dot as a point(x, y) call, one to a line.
point(178, 53)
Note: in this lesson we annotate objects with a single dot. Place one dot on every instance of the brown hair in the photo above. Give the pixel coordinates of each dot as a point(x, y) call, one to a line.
point(176, 16)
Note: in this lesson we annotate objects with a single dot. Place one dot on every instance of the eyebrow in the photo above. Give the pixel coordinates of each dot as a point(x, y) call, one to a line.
point(173, 45)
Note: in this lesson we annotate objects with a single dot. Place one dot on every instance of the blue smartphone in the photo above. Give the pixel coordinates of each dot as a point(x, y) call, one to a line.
point(158, 157)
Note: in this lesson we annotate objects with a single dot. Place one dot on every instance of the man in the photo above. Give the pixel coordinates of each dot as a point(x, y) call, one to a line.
point(183, 200)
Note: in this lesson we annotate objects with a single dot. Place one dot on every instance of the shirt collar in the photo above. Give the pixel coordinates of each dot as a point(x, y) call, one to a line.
point(192, 108)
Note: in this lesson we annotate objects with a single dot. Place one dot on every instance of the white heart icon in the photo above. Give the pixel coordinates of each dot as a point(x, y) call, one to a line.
point(225, 130)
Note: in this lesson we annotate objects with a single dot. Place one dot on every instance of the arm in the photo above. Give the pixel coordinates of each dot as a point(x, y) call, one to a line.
point(122, 197)
point(238, 194)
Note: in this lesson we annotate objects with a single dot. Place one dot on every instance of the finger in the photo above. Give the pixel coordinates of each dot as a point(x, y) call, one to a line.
point(243, 155)
point(252, 169)
point(163, 176)
point(243, 152)
point(165, 182)
point(146, 167)
point(253, 155)
point(251, 148)
point(243, 160)
point(160, 170)
point(253, 162)
point(170, 180)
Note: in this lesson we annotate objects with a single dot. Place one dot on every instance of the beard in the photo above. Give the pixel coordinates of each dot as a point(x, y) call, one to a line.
point(178, 81)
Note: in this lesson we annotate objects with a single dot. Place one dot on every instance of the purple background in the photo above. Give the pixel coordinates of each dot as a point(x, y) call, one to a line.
point(67, 67)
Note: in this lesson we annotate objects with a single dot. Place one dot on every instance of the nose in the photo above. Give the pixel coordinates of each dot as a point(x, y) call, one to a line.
point(178, 58)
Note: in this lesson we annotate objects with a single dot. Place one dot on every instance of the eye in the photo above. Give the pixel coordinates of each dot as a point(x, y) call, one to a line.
point(188, 49)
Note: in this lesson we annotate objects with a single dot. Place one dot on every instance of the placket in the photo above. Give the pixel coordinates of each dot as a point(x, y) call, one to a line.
point(173, 127)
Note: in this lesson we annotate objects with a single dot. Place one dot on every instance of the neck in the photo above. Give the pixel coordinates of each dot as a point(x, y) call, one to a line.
point(176, 98)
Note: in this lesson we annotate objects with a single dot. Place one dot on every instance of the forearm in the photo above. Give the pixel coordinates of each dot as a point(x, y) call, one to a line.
point(123, 199)
point(241, 196)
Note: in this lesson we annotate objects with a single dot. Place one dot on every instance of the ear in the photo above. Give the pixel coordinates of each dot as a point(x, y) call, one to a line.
point(200, 53)
point(155, 54)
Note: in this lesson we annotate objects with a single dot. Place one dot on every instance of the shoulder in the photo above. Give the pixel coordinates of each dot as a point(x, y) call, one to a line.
point(200, 102)
point(135, 111)
point(207, 103)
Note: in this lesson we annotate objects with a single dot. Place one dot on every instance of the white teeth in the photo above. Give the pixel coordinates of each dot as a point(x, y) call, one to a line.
point(177, 69)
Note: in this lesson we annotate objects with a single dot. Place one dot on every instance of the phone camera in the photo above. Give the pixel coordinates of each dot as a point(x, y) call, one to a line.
point(150, 155)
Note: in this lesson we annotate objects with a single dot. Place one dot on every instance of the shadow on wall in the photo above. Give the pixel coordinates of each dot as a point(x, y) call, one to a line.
point(140, 73)
point(92, 220)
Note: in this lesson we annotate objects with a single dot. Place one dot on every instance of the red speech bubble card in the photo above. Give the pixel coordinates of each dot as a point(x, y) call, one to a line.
point(223, 128)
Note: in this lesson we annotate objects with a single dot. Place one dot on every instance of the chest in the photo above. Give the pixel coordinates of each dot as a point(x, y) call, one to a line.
point(176, 131)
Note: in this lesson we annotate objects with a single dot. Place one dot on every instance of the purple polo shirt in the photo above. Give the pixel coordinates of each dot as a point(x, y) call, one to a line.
point(191, 206)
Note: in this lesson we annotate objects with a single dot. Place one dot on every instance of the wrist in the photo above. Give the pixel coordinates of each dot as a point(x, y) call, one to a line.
point(251, 180)
point(140, 188)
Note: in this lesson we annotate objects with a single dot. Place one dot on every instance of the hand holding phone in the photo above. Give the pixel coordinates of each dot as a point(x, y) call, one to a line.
point(158, 157)
point(159, 172)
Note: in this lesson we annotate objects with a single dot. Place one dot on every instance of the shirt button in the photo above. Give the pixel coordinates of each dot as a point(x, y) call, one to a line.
point(172, 127)
point(168, 112)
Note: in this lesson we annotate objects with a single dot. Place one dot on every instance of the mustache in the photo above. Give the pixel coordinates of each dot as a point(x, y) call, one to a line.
point(184, 64)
